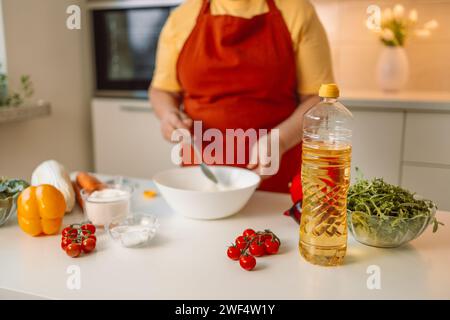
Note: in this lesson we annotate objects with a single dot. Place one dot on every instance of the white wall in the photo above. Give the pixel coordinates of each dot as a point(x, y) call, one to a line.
point(39, 44)
point(356, 50)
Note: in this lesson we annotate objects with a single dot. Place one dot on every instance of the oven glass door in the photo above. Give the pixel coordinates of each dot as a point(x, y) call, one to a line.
point(125, 42)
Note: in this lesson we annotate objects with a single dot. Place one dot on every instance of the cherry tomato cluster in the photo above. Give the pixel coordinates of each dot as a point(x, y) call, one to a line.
point(78, 238)
point(253, 244)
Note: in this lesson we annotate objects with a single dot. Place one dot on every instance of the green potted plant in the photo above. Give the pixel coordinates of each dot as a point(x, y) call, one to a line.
point(15, 98)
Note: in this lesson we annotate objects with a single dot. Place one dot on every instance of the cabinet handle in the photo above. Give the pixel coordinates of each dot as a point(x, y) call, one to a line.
point(135, 109)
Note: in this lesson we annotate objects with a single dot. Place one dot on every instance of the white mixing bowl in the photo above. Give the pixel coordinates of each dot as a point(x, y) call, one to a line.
point(189, 193)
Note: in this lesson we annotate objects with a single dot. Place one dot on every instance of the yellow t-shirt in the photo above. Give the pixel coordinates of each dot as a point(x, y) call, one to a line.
point(308, 36)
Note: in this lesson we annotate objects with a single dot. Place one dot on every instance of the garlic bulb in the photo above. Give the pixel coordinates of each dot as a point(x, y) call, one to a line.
point(53, 173)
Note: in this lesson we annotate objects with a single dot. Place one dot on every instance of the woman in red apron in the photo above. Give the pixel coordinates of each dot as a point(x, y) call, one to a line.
point(241, 73)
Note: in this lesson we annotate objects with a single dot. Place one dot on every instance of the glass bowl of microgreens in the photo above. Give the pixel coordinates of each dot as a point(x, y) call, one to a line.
point(387, 216)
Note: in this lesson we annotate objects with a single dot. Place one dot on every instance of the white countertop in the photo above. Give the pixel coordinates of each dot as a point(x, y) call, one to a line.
point(187, 260)
point(426, 101)
point(404, 100)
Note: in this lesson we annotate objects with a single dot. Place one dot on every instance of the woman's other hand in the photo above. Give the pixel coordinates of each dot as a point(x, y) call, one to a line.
point(265, 155)
point(290, 134)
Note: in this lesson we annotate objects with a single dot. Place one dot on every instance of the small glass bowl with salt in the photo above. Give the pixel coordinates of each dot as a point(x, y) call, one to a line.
point(135, 231)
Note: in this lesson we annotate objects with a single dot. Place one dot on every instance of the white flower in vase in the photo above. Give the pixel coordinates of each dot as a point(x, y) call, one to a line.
point(395, 26)
point(398, 12)
point(413, 16)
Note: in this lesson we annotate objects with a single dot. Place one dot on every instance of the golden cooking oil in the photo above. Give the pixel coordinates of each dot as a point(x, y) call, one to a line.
point(325, 181)
point(326, 162)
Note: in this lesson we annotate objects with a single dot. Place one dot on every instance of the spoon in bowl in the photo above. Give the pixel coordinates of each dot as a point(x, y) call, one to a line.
point(203, 167)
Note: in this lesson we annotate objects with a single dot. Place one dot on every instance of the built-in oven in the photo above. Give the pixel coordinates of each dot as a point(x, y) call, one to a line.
point(124, 39)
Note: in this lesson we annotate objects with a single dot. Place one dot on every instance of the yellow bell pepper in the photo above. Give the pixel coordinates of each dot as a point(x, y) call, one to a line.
point(40, 210)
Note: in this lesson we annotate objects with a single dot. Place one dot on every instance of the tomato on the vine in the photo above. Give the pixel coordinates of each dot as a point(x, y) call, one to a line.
point(241, 242)
point(247, 262)
point(86, 233)
point(65, 242)
point(89, 227)
point(88, 245)
point(257, 249)
point(252, 244)
point(69, 232)
point(249, 233)
point(78, 238)
point(271, 246)
point(265, 237)
point(233, 252)
point(73, 250)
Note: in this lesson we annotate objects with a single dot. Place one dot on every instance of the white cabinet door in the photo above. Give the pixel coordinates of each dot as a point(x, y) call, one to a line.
point(432, 183)
point(127, 139)
point(427, 138)
point(377, 144)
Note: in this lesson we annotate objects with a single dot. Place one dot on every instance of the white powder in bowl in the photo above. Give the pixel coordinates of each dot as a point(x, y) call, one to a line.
point(107, 205)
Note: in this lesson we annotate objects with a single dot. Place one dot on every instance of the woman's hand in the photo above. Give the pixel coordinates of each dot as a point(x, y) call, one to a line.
point(167, 107)
point(172, 120)
point(266, 154)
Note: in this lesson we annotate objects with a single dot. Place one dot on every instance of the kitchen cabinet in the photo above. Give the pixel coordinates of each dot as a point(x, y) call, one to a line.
point(426, 166)
point(377, 143)
point(427, 138)
point(127, 139)
point(430, 182)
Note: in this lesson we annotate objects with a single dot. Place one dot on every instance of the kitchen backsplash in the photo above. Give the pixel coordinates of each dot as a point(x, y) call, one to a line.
point(355, 49)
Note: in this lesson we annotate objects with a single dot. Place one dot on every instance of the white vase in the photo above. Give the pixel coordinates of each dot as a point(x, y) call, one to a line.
point(392, 69)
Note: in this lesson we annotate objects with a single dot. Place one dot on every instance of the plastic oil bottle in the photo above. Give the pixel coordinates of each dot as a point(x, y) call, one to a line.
point(325, 179)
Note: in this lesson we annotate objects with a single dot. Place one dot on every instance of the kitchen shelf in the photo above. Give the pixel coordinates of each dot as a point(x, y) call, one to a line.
point(22, 113)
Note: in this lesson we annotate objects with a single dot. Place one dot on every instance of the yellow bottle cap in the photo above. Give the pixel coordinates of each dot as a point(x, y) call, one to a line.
point(329, 90)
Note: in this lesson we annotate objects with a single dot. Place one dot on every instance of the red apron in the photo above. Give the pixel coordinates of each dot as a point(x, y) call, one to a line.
point(241, 73)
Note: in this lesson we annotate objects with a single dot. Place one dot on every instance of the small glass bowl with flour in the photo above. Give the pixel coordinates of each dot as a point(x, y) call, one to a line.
point(135, 231)
point(110, 204)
